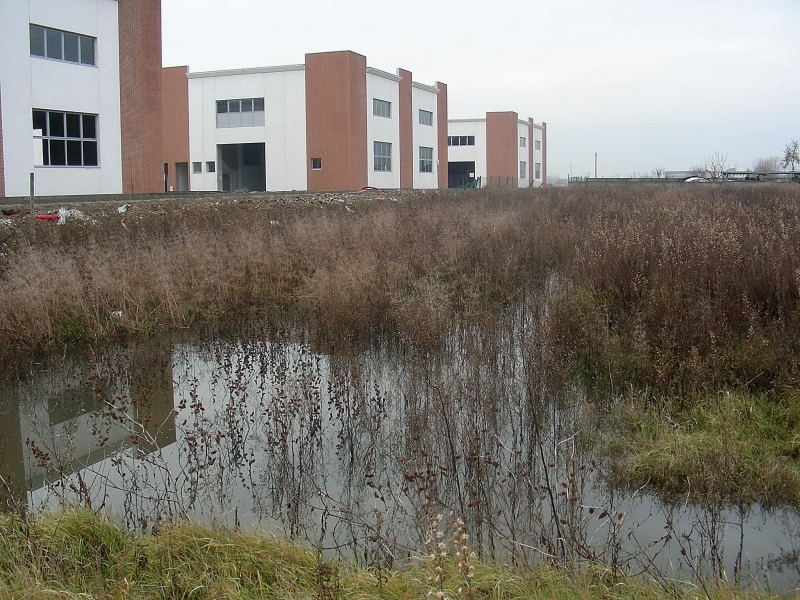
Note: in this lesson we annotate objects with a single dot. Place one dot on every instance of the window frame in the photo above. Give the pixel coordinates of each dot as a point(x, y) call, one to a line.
point(47, 39)
point(377, 108)
point(381, 162)
point(316, 166)
point(523, 141)
point(537, 145)
point(65, 138)
point(233, 114)
point(426, 163)
point(460, 140)
point(428, 116)
point(523, 169)
point(197, 167)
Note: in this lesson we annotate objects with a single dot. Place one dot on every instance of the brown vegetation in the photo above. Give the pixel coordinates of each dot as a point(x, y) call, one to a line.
point(663, 288)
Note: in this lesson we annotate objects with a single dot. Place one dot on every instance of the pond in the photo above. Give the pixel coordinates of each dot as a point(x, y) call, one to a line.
point(359, 453)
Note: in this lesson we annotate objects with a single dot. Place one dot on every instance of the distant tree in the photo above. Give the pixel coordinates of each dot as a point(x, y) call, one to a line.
point(698, 171)
point(716, 165)
point(658, 172)
point(791, 155)
point(767, 164)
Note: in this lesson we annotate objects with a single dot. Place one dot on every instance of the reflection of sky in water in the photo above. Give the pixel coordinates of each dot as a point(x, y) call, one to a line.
point(353, 453)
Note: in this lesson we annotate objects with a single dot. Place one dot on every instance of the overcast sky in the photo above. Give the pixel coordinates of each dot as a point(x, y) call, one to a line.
point(644, 83)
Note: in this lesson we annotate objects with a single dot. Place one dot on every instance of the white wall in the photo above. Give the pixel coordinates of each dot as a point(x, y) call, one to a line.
point(523, 155)
point(283, 132)
point(424, 135)
point(28, 82)
point(537, 155)
point(477, 153)
point(381, 129)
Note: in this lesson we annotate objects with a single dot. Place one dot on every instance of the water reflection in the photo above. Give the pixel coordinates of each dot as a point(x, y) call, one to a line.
point(356, 453)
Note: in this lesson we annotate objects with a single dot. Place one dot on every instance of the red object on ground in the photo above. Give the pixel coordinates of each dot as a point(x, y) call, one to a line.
point(46, 217)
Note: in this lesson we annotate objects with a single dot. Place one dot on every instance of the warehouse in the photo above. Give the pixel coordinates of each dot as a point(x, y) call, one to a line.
point(74, 118)
point(331, 123)
point(499, 150)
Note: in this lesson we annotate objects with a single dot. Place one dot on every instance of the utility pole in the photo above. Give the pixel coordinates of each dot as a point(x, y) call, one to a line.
point(595, 165)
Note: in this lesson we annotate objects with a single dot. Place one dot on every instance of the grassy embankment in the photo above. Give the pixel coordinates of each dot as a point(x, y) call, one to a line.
point(666, 300)
point(76, 554)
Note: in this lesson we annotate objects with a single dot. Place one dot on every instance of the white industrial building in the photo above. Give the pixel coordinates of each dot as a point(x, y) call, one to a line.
point(499, 150)
point(331, 123)
point(65, 96)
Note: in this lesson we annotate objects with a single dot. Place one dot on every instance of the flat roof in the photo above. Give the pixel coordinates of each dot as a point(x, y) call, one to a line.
point(246, 71)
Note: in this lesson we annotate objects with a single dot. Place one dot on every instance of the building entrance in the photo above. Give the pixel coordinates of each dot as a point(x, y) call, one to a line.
point(241, 167)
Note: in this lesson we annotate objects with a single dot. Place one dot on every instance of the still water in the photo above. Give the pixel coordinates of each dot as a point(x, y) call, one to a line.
point(356, 452)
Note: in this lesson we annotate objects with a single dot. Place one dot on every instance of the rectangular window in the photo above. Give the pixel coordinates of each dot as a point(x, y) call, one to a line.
point(240, 112)
point(68, 139)
point(425, 160)
point(523, 142)
point(538, 171)
point(316, 164)
point(62, 45)
point(383, 156)
point(197, 168)
point(461, 140)
point(425, 117)
point(538, 144)
point(211, 166)
point(523, 169)
point(381, 108)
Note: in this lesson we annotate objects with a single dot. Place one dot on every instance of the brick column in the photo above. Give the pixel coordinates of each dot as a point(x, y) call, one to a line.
point(441, 134)
point(175, 106)
point(406, 131)
point(140, 95)
point(336, 120)
point(502, 166)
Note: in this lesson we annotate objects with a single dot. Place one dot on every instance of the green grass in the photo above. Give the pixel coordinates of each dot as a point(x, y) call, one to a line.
point(727, 448)
point(76, 554)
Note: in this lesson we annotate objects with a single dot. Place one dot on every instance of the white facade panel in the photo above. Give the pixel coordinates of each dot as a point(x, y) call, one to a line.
point(28, 82)
point(476, 153)
point(383, 129)
point(522, 132)
point(424, 135)
point(537, 156)
point(283, 132)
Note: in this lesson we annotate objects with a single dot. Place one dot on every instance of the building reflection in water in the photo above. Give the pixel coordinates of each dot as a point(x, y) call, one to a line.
point(75, 412)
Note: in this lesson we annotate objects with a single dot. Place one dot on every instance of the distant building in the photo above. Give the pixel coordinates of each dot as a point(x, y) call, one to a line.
point(80, 96)
point(332, 123)
point(500, 150)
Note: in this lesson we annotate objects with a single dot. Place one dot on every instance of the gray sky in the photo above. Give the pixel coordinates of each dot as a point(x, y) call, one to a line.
point(644, 83)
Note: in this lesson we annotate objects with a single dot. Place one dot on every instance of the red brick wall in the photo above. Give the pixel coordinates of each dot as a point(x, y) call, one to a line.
point(544, 153)
point(441, 115)
point(502, 142)
point(2, 167)
point(175, 111)
point(140, 95)
point(406, 131)
point(336, 120)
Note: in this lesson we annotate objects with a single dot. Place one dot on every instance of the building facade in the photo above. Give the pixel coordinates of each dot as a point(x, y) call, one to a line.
point(80, 97)
point(499, 150)
point(332, 123)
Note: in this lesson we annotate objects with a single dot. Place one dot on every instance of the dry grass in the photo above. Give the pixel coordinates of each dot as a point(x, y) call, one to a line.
point(670, 289)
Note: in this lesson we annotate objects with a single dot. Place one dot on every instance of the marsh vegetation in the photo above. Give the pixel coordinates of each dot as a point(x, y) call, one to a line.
point(601, 376)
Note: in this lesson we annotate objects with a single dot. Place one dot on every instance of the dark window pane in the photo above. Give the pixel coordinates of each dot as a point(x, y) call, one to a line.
point(71, 47)
point(234, 106)
point(58, 152)
point(222, 106)
point(45, 152)
point(258, 104)
point(40, 121)
point(90, 154)
point(37, 40)
point(89, 127)
point(247, 105)
point(471, 140)
point(73, 125)
point(54, 44)
point(74, 153)
point(87, 50)
point(56, 120)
